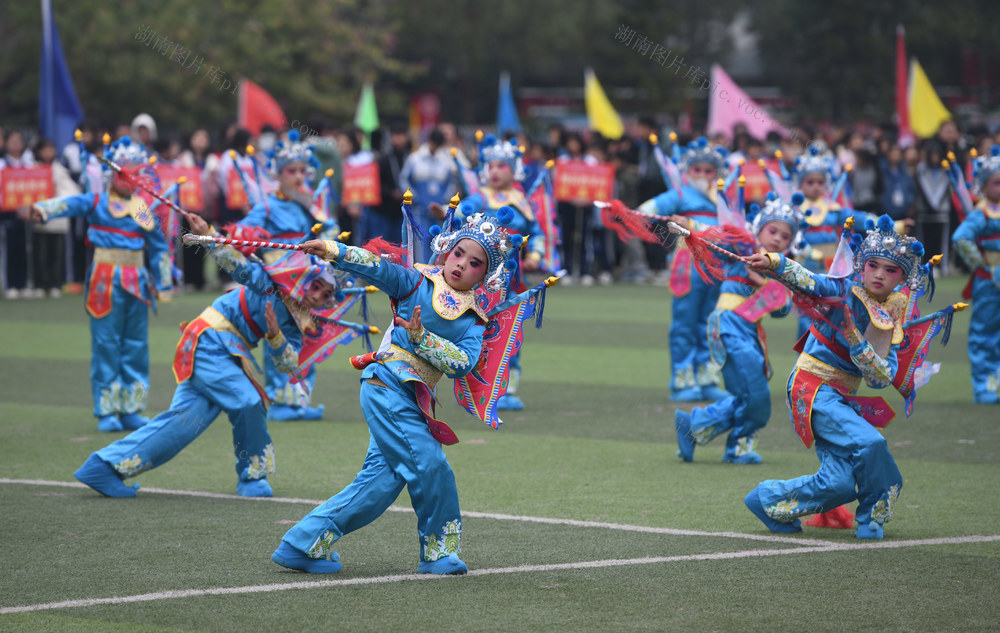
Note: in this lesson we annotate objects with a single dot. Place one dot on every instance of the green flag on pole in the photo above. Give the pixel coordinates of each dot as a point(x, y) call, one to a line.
point(366, 117)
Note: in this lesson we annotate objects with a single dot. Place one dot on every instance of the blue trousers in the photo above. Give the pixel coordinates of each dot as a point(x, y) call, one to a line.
point(748, 409)
point(690, 362)
point(401, 453)
point(855, 463)
point(119, 356)
point(217, 384)
point(984, 337)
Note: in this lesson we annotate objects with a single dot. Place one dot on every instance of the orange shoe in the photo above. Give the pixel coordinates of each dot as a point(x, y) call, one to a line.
point(839, 518)
point(73, 288)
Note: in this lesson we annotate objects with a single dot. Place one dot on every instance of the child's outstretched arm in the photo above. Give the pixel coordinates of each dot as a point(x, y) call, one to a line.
point(393, 279)
point(284, 352)
point(243, 271)
point(797, 275)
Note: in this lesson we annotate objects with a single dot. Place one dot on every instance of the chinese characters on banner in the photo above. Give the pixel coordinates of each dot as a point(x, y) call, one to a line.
point(24, 186)
point(361, 185)
point(192, 196)
point(576, 181)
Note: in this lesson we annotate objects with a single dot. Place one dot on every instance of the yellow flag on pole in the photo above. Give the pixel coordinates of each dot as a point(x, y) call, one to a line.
point(600, 113)
point(927, 113)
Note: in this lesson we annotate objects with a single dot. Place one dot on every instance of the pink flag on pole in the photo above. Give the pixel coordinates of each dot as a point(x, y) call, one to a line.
point(729, 105)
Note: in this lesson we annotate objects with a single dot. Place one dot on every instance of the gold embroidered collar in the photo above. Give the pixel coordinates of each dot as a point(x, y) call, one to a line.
point(133, 207)
point(512, 197)
point(448, 302)
point(887, 315)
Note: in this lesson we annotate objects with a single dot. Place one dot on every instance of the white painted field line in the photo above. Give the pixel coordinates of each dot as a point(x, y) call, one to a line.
point(595, 564)
point(767, 538)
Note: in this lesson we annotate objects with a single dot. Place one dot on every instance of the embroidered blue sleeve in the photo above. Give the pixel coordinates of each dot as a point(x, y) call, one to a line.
point(390, 278)
point(67, 206)
point(877, 371)
point(245, 272)
point(813, 283)
point(159, 259)
point(964, 239)
point(453, 359)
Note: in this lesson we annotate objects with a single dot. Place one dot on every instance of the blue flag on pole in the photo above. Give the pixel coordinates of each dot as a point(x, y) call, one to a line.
point(59, 111)
point(507, 119)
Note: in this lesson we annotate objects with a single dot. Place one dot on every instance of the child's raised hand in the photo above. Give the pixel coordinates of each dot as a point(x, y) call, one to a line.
point(414, 323)
point(680, 221)
point(759, 262)
point(196, 223)
point(315, 247)
point(272, 322)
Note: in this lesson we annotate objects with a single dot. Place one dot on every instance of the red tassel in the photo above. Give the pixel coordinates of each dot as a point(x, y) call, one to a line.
point(385, 249)
point(627, 223)
point(249, 233)
point(839, 518)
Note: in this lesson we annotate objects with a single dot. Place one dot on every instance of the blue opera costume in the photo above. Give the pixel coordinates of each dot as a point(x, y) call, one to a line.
point(405, 447)
point(855, 463)
point(119, 290)
point(977, 240)
point(288, 220)
point(216, 372)
point(489, 201)
point(694, 376)
point(824, 216)
point(738, 343)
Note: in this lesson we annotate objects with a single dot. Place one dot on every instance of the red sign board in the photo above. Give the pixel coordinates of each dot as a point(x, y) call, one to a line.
point(192, 198)
point(24, 186)
point(576, 181)
point(361, 185)
point(236, 195)
point(757, 185)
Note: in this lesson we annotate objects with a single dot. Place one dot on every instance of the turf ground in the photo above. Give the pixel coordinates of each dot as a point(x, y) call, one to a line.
point(577, 516)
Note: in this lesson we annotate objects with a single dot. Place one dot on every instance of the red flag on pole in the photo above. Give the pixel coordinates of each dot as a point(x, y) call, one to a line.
point(902, 89)
point(257, 108)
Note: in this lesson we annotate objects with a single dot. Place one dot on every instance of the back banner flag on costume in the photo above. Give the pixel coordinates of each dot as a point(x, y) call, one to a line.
point(927, 113)
point(601, 115)
point(479, 390)
point(729, 105)
point(59, 111)
point(257, 108)
point(508, 122)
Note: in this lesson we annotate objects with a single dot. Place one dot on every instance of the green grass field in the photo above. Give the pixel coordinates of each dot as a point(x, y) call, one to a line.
point(577, 514)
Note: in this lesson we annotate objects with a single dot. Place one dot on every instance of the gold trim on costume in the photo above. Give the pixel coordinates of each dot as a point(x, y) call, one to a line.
point(729, 301)
point(422, 368)
point(991, 258)
point(842, 381)
point(886, 315)
point(118, 256)
point(448, 302)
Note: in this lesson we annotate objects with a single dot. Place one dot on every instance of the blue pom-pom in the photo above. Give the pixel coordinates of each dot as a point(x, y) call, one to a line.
point(802, 244)
point(517, 239)
point(456, 224)
point(339, 296)
point(856, 241)
point(505, 215)
point(869, 224)
point(798, 198)
point(294, 136)
point(807, 212)
point(702, 141)
point(126, 141)
point(722, 151)
point(434, 231)
point(489, 139)
point(995, 150)
point(754, 208)
point(918, 248)
point(510, 265)
point(772, 196)
point(885, 223)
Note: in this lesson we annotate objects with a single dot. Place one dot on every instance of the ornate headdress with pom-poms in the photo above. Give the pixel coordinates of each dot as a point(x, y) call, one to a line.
point(882, 241)
point(125, 151)
point(985, 166)
point(296, 271)
point(699, 151)
point(491, 148)
point(777, 210)
point(295, 151)
point(818, 159)
point(499, 245)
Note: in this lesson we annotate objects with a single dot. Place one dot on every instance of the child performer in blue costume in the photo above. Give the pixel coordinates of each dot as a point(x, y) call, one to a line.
point(857, 342)
point(815, 172)
point(977, 240)
point(438, 330)
point(288, 215)
point(738, 344)
point(215, 372)
point(120, 289)
point(693, 374)
point(500, 166)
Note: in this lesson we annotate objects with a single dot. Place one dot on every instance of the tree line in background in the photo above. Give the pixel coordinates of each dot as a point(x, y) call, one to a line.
point(834, 61)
